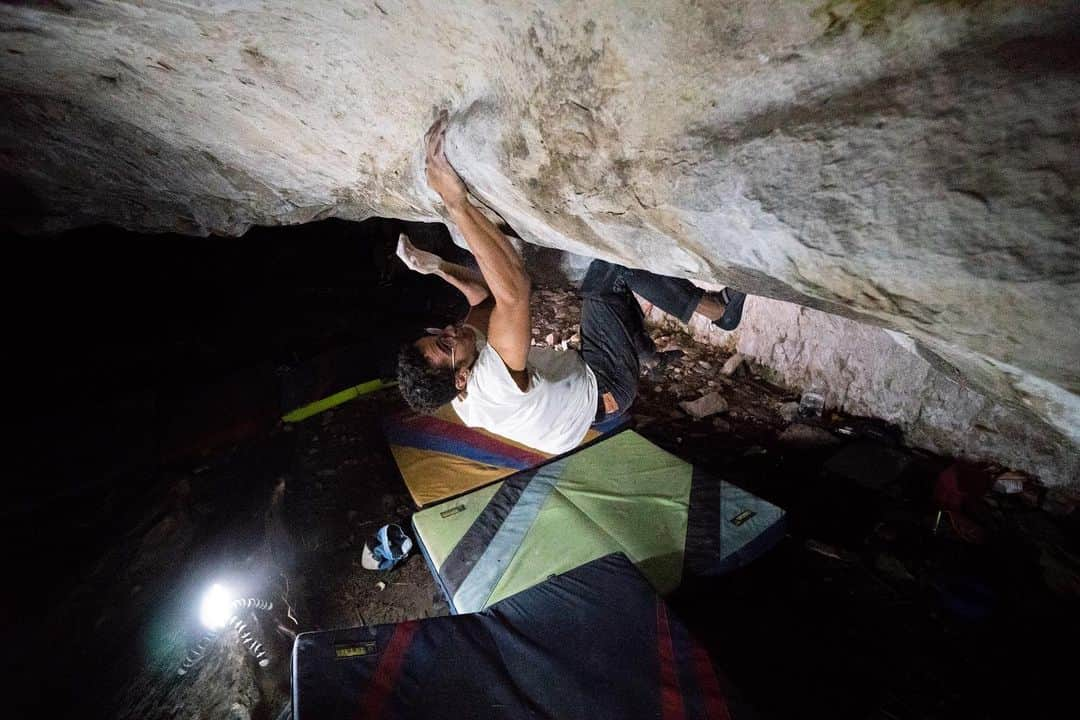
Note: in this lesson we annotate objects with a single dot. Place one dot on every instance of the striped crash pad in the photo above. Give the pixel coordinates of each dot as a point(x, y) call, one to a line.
point(439, 457)
point(593, 644)
point(621, 494)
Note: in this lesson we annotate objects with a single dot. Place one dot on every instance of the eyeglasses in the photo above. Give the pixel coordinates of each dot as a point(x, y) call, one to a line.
point(444, 342)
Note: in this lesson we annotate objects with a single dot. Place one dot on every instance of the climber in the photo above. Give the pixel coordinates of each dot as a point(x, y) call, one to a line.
point(485, 366)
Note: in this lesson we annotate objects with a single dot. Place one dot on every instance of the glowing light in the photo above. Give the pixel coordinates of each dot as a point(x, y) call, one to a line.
point(216, 607)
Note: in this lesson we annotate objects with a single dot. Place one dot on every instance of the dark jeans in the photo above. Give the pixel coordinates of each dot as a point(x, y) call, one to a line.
point(613, 329)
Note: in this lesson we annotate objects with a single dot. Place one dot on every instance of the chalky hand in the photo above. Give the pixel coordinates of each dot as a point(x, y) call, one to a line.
point(415, 259)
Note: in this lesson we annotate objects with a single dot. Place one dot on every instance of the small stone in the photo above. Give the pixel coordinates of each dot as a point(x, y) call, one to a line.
point(731, 365)
point(801, 435)
point(789, 411)
point(712, 383)
point(705, 406)
point(380, 586)
point(551, 339)
point(721, 425)
point(704, 364)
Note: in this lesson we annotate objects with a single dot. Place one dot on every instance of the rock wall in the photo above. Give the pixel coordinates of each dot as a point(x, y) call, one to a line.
point(911, 164)
point(868, 371)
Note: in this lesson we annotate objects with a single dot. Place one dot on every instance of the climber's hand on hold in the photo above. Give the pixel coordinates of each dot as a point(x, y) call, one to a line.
point(441, 176)
point(417, 260)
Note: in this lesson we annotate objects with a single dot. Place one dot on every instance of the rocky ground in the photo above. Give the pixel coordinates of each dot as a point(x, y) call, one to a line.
point(874, 606)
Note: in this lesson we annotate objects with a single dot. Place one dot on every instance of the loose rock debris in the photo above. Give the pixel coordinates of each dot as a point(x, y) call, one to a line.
point(705, 405)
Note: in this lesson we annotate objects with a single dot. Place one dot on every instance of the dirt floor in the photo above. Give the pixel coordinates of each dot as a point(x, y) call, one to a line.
point(873, 606)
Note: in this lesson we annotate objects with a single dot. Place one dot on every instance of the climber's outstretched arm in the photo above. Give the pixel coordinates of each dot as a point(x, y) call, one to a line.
point(468, 281)
point(501, 266)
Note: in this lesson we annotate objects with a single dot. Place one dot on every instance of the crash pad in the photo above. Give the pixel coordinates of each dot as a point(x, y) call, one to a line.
point(439, 457)
point(620, 494)
point(595, 642)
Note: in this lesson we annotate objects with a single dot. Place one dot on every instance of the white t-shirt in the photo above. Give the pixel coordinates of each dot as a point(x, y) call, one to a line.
point(552, 416)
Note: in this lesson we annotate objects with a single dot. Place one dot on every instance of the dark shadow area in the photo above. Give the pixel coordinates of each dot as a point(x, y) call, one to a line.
point(136, 361)
point(864, 611)
point(150, 374)
point(182, 342)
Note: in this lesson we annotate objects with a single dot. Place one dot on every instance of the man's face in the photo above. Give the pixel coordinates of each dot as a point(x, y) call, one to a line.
point(453, 346)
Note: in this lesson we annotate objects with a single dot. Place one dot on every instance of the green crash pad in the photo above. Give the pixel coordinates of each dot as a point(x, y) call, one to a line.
point(622, 494)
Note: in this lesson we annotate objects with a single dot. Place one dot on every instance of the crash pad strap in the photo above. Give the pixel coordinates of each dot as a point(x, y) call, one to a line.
point(385, 677)
point(463, 558)
point(671, 696)
point(476, 587)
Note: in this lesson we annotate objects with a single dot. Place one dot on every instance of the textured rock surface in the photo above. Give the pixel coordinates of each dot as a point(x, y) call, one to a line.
point(910, 163)
point(867, 371)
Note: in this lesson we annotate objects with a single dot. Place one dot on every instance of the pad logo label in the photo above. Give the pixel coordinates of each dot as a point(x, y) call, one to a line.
point(449, 512)
point(742, 517)
point(344, 652)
